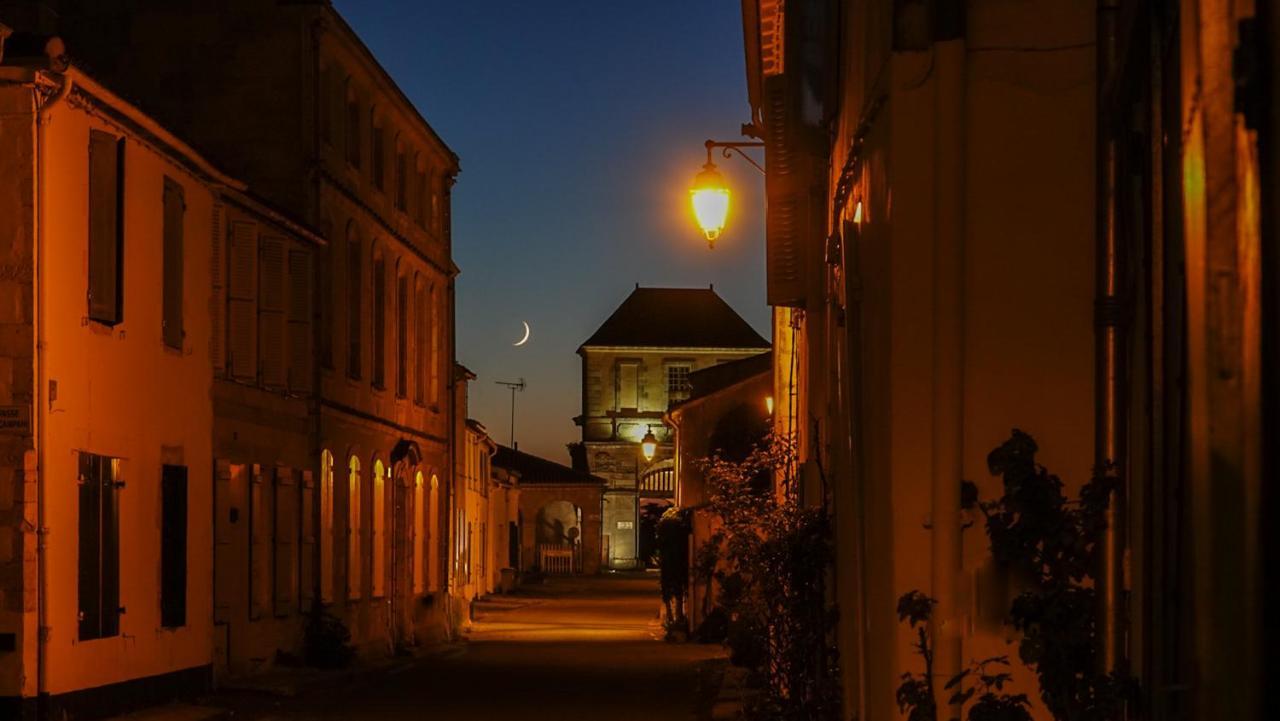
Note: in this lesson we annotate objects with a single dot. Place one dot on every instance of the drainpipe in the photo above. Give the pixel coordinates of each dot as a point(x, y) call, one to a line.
point(948, 344)
point(42, 628)
point(1109, 342)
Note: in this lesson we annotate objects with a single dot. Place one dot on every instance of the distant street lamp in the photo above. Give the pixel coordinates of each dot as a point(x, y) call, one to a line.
point(649, 445)
point(710, 194)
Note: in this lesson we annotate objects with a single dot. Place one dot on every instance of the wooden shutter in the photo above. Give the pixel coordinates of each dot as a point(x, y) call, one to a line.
point(106, 227)
point(260, 523)
point(355, 307)
point(402, 336)
point(271, 312)
point(306, 540)
point(285, 534)
point(786, 206)
point(111, 482)
point(173, 546)
point(300, 354)
point(217, 299)
point(225, 571)
point(379, 370)
point(171, 294)
point(90, 549)
point(242, 336)
point(420, 335)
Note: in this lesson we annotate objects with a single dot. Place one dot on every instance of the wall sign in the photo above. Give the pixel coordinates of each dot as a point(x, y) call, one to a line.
point(15, 420)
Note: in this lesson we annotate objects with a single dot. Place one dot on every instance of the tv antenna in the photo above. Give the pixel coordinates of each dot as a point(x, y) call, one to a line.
point(513, 386)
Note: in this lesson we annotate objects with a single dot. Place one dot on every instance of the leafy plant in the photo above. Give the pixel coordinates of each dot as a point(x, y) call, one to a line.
point(983, 679)
point(1051, 542)
point(771, 559)
point(326, 642)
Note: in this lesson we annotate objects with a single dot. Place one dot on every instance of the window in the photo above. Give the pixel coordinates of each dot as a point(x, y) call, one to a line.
point(173, 546)
point(299, 325)
point(353, 529)
point(353, 126)
point(285, 572)
point(306, 539)
point(377, 147)
point(324, 279)
point(354, 297)
point(420, 341)
point(106, 227)
point(379, 535)
point(433, 532)
point(379, 322)
point(271, 301)
point(171, 293)
point(260, 542)
point(678, 387)
point(99, 548)
point(419, 533)
point(326, 105)
point(402, 337)
point(326, 526)
point(242, 302)
point(627, 378)
point(402, 179)
point(434, 329)
point(423, 191)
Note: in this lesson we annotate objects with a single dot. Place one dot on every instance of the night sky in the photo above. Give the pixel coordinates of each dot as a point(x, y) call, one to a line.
point(579, 126)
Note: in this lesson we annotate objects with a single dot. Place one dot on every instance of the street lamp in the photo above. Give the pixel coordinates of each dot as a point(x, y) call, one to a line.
point(710, 194)
point(649, 444)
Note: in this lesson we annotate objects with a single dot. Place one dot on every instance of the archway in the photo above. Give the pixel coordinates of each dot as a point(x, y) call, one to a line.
point(558, 538)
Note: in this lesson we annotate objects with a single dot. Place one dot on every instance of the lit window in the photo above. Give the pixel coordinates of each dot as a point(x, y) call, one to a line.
point(379, 549)
point(353, 529)
point(326, 526)
point(677, 383)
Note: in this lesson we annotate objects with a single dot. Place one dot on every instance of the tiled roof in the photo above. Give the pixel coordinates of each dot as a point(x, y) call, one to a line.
point(676, 318)
point(715, 378)
point(534, 470)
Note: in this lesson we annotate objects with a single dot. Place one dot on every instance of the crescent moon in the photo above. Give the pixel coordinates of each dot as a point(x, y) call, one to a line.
point(525, 339)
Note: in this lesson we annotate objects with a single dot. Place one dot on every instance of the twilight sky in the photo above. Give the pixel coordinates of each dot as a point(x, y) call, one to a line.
point(579, 124)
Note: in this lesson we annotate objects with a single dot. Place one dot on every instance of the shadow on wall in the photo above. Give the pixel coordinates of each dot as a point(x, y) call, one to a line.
point(559, 522)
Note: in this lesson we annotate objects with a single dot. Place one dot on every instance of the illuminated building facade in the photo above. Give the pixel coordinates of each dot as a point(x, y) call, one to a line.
point(328, 319)
point(1052, 216)
point(635, 367)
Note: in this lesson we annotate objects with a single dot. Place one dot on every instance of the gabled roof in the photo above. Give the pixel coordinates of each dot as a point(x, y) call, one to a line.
point(534, 470)
point(712, 379)
point(675, 318)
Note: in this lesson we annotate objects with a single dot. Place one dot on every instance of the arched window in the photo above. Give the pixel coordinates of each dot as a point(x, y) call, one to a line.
point(402, 176)
point(354, 528)
point(379, 540)
point(433, 328)
point(326, 526)
point(378, 150)
point(433, 532)
point(419, 533)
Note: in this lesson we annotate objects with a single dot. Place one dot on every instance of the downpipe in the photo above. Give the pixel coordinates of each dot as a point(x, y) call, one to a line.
point(38, 306)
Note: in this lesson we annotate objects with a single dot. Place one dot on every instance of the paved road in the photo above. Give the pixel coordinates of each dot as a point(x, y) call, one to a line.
point(574, 649)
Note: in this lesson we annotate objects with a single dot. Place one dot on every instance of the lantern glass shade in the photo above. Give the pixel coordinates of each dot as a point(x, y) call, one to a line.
point(649, 445)
point(710, 198)
point(768, 404)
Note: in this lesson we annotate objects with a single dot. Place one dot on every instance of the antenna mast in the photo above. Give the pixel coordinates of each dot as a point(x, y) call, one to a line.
point(513, 387)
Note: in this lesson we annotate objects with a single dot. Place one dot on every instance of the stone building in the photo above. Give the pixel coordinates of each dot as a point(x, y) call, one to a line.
point(635, 367)
point(109, 225)
point(286, 96)
point(558, 516)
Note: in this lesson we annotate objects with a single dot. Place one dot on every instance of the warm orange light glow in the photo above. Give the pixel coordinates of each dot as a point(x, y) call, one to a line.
point(710, 197)
point(768, 404)
point(649, 445)
point(857, 213)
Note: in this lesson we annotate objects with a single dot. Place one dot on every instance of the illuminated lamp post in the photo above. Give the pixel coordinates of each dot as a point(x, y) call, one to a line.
point(709, 195)
point(649, 444)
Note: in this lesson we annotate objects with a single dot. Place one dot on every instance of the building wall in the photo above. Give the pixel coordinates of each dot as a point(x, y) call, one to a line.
point(586, 498)
point(963, 308)
point(612, 430)
point(120, 392)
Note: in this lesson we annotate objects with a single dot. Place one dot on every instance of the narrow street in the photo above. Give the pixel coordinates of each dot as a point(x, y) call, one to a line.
point(573, 648)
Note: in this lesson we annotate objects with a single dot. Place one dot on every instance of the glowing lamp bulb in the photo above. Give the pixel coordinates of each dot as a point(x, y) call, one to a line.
point(649, 445)
point(768, 404)
point(710, 197)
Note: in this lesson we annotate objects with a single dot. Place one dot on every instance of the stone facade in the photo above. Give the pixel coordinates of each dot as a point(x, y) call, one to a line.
point(631, 375)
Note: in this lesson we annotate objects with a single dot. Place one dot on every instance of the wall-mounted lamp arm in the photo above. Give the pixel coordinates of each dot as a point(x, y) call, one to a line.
point(734, 147)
